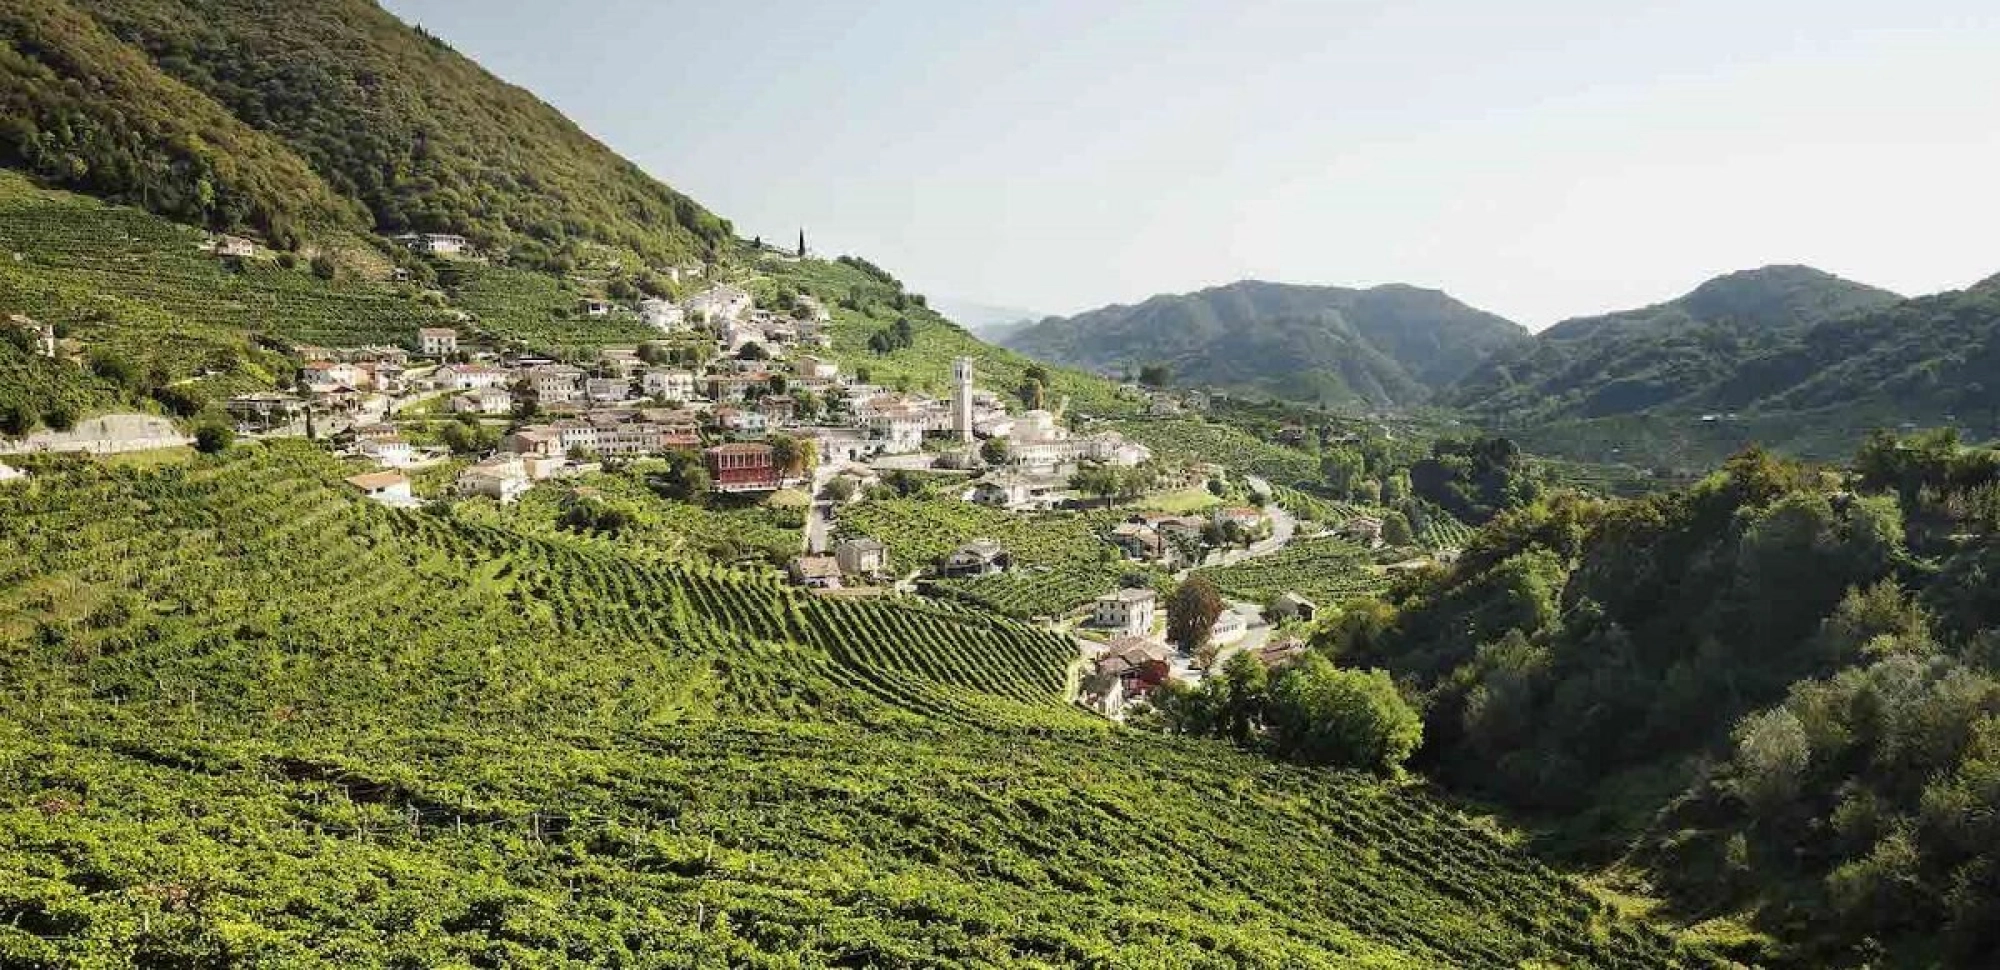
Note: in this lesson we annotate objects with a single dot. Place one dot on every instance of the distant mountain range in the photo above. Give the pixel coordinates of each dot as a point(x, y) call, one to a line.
point(1383, 346)
point(1673, 353)
point(993, 322)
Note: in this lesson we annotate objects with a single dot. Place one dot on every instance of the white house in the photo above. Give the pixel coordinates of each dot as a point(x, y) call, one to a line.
point(663, 315)
point(235, 246)
point(673, 385)
point(389, 488)
point(899, 428)
point(742, 420)
point(608, 390)
point(435, 243)
point(862, 557)
point(388, 452)
point(719, 304)
point(815, 368)
point(556, 383)
point(467, 377)
point(437, 341)
point(1130, 612)
point(500, 479)
point(486, 400)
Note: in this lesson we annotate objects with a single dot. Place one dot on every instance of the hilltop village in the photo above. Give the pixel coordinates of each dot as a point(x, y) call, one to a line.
point(746, 408)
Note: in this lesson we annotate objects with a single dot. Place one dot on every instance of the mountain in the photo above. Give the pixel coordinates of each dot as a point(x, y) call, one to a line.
point(276, 117)
point(990, 321)
point(1671, 354)
point(1383, 346)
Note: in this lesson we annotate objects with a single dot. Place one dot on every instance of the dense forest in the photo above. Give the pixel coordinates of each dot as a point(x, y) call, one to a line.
point(247, 115)
point(1775, 691)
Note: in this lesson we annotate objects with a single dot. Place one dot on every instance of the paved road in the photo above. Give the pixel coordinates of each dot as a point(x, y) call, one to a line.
point(819, 517)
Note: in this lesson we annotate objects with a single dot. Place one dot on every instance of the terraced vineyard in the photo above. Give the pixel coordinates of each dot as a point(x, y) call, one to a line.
point(1036, 592)
point(920, 531)
point(1325, 571)
point(534, 310)
point(1442, 531)
point(402, 738)
point(1179, 440)
point(123, 280)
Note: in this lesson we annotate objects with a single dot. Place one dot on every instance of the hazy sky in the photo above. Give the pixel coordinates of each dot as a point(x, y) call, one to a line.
point(1538, 158)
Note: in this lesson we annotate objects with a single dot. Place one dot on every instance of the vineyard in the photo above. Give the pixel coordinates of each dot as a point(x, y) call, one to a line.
point(754, 535)
point(1182, 440)
point(534, 310)
point(137, 285)
point(1036, 592)
point(920, 531)
point(1326, 571)
point(409, 738)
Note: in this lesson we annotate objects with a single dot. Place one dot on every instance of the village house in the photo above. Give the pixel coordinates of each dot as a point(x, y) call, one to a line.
point(500, 479)
point(467, 377)
point(663, 315)
point(1365, 529)
point(235, 247)
point(539, 442)
point(816, 572)
point(815, 368)
point(744, 466)
point(607, 390)
point(719, 304)
point(390, 452)
point(778, 410)
point(1130, 668)
point(620, 361)
point(556, 383)
point(1281, 653)
point(434, 243)
point(385, 376)
point(1000, 491)
point(486, 400)
point(388, 488)
point(437, 341)
point(1128, 611)
point(670, 385)
point(265, 408)
point(741, 420)
point(1138, 541)
point(980, 557)
point(724, 388)
point(334, 372)
point(594, 308)
point(898, 428)
point(1291, 606)
point(576, 436)
point(862, 556)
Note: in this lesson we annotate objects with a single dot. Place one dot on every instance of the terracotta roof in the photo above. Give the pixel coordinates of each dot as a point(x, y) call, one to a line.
point(741, 448)
point(377, 480)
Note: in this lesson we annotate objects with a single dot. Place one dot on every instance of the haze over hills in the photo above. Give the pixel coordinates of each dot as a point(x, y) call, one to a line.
point(1388, 345)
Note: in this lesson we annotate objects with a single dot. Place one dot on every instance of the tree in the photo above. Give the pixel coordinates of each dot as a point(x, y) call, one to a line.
point(16, 419)
point(1192, 611)
point(802, 244)
point(993, 451)
point(1322, 714)
point(1343, 470)
point(1031, 394)
point(753, 351)
point(838, 489)
point(213, 437)
point(324, 267)
point(1396, 530)
point(1155, 375)
point(60, 416)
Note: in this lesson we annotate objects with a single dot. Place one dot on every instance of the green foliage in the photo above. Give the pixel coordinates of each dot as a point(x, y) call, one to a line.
point(211, 439)
point(1475, 479)
point(451, 149)
point(1192, 609)
point(87, 111)
point(1321, 714)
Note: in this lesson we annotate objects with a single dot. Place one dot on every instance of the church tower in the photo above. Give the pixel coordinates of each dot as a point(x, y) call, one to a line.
point(961, 398)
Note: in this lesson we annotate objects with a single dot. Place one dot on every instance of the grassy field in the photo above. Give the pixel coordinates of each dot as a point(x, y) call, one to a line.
point(440, 742)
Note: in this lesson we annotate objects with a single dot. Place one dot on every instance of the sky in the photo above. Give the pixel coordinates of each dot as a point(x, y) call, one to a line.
point(1541, 159)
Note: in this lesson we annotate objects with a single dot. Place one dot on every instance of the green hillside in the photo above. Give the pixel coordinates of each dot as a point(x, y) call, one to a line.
point(460, 745)
point(267, 116)
point(1773, 694)
point(1380, 346)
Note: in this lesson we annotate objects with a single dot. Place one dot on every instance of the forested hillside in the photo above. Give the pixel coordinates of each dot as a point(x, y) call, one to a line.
point(1677, 352)
point(450, 743)
point(271, 116)
point(1775, 693)
point(1389, 345)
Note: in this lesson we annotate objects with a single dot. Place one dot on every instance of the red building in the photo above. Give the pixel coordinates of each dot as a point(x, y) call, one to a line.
point(746, 466)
